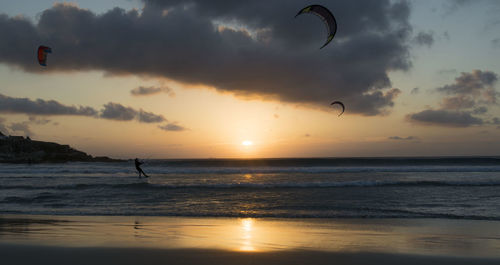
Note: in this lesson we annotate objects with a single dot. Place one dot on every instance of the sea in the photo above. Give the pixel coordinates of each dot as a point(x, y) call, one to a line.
point(438, 187)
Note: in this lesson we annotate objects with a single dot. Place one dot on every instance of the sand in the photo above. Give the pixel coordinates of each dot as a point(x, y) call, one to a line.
point(27, 239)
point(17, 254)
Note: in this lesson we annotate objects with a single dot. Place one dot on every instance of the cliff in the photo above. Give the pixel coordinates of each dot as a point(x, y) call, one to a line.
point(17, 149)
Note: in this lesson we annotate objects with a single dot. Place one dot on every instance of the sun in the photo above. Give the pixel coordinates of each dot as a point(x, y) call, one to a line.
point(247, 143)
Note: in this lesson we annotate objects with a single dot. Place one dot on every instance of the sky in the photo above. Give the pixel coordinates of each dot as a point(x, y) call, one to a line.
point(232, 79)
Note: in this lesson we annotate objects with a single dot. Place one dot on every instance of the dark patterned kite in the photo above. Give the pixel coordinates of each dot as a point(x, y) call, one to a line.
point(325, 15)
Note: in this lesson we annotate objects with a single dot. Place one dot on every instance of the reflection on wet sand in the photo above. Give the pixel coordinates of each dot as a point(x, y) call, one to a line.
point(411, 236)
point(246, 230)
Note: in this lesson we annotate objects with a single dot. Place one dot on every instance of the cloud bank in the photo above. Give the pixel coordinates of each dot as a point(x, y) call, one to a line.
point(249, 48)
point(41, 107)
point(110, 111)
point(445, 118)
point(464, 101)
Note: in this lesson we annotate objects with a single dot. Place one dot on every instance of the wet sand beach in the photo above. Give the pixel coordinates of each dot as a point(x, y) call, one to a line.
point(27, 239)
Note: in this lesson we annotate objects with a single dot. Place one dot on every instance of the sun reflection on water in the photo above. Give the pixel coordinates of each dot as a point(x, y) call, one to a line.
point(246, 230)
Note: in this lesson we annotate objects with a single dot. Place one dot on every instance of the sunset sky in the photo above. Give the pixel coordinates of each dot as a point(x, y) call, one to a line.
point(245, 79)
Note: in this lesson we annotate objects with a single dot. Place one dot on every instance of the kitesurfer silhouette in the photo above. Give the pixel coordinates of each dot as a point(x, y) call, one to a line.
point(139, 169)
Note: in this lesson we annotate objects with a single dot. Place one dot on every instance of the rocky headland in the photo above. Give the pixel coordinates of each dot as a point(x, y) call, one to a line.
point(19, 149)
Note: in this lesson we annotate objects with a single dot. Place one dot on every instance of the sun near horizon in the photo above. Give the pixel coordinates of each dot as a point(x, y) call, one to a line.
point(434, 92)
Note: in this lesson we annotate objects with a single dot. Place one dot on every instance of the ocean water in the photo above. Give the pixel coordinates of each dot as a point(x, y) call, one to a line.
point(449, 188)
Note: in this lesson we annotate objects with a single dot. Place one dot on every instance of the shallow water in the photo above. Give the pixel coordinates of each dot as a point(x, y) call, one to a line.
point(282, 188)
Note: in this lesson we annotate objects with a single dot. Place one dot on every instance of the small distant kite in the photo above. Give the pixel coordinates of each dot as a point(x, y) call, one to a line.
point(341, 104)
point(42, 55)
point(324, 14)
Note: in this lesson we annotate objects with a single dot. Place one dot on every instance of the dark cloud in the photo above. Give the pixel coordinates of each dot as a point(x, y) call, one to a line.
point(111, 110)
point(276, 116)
point(471, 83)
point(116, 111)
point(149, 117)
point(307, 135)
point(376, 101)
point(444, 118)
point(21, 127)
point(41, 107)
point(408, 138)
point(470, 90)
point(415, 90)
point(466, 97)
point(458, 102)
point(424, 39)
point(249, 48)
point(146, 91)
point(172, 127)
